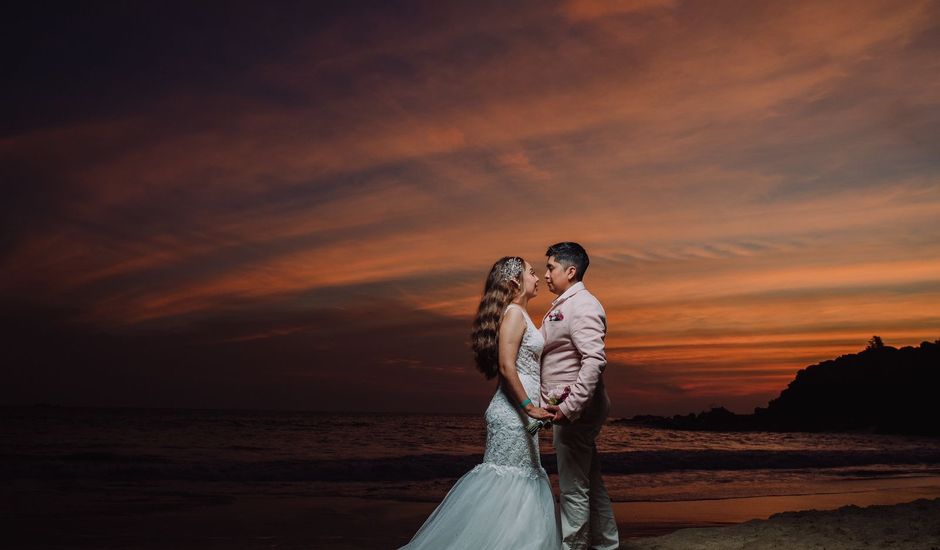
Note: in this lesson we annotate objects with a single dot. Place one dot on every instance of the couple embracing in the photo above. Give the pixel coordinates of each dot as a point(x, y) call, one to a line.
point(506, 502)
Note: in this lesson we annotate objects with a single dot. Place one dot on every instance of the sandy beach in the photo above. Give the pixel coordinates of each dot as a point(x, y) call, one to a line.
point(913, 525)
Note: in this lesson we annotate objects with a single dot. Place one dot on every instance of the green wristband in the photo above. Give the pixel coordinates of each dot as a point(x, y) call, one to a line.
point(524, 403)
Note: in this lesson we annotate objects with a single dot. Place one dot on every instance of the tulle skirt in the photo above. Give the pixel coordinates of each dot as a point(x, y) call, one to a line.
point(493, 507)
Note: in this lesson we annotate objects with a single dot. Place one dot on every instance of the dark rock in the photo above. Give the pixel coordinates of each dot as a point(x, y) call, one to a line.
point(881, 389)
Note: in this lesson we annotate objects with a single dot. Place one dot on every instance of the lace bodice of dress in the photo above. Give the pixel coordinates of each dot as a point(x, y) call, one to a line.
point(508, 447)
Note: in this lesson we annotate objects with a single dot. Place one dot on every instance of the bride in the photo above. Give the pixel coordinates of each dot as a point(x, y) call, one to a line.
point(505, 502)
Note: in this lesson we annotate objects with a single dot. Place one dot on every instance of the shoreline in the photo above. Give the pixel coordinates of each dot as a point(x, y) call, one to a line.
point(650, 518)
point(153, 515)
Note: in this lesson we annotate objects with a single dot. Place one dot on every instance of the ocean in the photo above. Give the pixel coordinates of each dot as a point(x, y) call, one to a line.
point(416, 457)
point(212, 478)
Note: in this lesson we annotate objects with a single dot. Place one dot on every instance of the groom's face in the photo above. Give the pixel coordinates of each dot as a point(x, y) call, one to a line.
point(558, 276)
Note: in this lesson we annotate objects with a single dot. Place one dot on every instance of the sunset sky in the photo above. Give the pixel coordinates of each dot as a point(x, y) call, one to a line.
point(295, 206)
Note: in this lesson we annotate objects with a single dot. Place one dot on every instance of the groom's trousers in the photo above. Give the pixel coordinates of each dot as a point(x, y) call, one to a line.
point(587, 518)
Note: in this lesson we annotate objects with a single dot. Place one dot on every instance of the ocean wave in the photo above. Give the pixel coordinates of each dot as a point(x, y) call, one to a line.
point(116, 466)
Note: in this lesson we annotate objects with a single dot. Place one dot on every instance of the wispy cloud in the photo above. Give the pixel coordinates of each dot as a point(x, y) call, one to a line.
point(741, 174)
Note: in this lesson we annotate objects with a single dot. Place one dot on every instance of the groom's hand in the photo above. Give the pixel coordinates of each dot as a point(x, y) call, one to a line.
point(559, 418)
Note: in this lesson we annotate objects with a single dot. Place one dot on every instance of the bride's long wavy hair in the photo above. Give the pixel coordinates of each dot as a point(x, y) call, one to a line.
point(498, 292)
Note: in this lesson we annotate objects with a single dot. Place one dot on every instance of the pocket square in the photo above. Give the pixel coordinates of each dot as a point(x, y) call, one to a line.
point(556, 315)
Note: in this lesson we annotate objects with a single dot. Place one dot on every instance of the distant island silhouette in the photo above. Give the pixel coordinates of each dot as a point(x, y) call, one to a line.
point(881, 389)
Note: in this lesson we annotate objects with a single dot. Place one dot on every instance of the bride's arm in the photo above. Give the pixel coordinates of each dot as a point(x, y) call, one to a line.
point(511, 330)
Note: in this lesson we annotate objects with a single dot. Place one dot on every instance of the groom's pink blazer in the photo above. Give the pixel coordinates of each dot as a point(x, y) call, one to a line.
point(574, 330)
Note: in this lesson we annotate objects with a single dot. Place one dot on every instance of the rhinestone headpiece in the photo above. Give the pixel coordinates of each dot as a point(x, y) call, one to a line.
point(511, 269)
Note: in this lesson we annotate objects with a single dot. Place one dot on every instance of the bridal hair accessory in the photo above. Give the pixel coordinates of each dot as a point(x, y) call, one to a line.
point(511, 269)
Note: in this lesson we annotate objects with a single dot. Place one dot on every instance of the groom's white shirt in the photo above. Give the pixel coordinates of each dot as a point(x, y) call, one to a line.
point(574, 330)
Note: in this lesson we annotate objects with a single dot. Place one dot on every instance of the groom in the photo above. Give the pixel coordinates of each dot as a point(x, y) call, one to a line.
point(574, 330)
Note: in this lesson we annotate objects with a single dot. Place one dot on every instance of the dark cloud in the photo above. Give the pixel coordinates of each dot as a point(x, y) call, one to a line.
point(190, 190)
point(383, 356)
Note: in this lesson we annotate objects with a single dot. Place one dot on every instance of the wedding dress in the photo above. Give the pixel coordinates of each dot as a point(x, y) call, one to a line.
point(506, 502)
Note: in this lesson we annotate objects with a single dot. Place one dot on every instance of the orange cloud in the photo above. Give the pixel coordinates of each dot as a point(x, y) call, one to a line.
point(757, 184)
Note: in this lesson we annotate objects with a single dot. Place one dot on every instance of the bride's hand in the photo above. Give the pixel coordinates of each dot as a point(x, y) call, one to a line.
point(539, 413)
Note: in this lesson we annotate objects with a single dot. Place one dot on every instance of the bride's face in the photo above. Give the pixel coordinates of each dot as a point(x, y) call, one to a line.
point(530, 281)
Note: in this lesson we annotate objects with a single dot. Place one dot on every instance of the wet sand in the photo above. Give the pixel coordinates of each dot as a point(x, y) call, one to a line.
point(637, 519)
point(235, 516)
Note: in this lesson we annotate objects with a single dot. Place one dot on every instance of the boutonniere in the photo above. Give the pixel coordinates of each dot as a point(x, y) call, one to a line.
point(556, 315)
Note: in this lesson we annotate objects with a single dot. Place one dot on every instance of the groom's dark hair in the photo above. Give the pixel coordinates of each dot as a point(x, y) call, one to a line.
point(570, 254)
